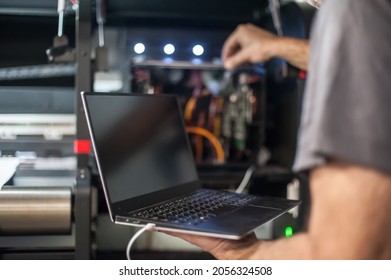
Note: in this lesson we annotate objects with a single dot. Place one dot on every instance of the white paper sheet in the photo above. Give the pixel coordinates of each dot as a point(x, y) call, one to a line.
point(8, 166)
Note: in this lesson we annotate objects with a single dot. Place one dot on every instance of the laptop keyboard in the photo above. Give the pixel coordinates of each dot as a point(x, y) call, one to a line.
point(194, 209)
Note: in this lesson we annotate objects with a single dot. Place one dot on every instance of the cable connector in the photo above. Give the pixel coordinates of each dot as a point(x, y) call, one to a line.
point(149, 226)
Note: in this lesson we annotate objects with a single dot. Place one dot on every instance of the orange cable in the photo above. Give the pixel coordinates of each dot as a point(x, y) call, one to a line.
point(189, 109)
point(212, 139)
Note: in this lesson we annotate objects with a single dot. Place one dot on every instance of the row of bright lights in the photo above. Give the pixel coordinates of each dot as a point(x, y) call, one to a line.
point(168, 49)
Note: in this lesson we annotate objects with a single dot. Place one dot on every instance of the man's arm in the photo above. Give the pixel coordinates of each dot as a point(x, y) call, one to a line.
point(349, 220)
point(251, 44)
point(350, 216)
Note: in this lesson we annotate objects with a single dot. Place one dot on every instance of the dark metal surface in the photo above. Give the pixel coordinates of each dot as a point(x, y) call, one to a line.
point(195, 13)
point(153, 12)
point(83, 83)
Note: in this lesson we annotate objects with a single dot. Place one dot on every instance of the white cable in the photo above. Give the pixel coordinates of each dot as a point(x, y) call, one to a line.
point(134, 237)
point(274, 6)
point(245, 179)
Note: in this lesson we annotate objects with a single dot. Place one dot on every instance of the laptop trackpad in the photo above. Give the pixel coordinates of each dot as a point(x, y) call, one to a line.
point(243, 220)
point(257, 213)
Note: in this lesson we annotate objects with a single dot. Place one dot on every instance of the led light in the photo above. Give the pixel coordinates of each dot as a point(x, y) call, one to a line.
point(288, 231)
point(196, 61)
point(169, 49)
point(139, 48)
point(168, 60)
point(198, 50)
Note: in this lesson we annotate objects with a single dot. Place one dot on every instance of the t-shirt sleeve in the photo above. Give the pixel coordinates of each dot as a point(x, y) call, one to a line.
point(347, 103)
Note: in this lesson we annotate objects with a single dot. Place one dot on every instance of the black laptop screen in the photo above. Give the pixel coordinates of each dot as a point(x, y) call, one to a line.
point(141, 143)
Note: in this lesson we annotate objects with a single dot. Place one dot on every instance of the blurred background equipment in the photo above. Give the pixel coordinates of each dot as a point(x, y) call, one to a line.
point(242, 124)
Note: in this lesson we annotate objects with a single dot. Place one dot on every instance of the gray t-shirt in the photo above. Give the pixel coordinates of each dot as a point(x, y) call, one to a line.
point(347, 105)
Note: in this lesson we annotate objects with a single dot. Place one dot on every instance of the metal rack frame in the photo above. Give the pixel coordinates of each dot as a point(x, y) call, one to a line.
point(83, 82)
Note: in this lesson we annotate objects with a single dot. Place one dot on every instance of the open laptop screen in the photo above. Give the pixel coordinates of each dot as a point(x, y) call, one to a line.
point(141, 142)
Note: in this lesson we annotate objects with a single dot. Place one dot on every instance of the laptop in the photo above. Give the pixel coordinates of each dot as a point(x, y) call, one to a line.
point(149, 175)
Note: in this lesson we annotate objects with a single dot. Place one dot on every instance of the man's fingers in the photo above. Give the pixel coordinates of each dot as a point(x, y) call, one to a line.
point(230, 46)
point(237, 59)
point(206, 243)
